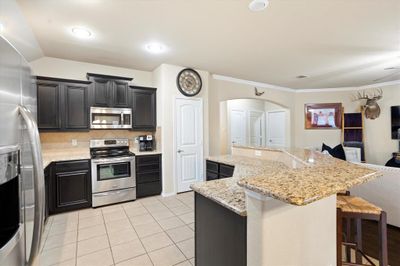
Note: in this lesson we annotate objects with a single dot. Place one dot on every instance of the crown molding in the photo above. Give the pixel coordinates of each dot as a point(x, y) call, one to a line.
point(327, 90)
point(252, 83)
point(369, 86)
point(286, 89)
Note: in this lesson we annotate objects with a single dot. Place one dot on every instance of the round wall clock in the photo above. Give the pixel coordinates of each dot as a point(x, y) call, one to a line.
point(189, 82)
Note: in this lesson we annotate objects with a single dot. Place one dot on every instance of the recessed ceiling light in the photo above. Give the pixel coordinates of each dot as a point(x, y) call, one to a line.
point(155, 48)
point(258, 5)
point(81, 32)
point(1, 27)
point(302, 77)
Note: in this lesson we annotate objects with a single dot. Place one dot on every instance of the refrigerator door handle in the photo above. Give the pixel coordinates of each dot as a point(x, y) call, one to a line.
point(38, 177)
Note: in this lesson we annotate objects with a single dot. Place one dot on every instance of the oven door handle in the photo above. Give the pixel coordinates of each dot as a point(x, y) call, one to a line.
point(114, 160)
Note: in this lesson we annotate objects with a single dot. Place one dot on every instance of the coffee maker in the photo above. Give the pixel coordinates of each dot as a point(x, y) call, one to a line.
point(146, 143)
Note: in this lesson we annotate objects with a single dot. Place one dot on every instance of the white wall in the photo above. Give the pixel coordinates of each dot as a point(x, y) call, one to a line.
point(68, 69)
point(378, 143)
point(164, 78)
point(18, 31)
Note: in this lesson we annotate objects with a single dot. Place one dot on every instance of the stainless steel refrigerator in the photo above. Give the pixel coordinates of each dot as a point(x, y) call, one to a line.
point(21, 168)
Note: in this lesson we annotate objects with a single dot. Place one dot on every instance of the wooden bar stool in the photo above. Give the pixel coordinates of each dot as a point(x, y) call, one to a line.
point(350, 207)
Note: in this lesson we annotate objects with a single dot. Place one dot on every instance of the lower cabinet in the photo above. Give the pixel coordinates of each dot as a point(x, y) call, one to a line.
point(46, 189)
point(69, 186)
point(148, 175)
point(216, 170)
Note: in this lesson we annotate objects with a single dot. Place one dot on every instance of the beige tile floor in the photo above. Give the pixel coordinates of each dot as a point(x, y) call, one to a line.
point(155, 231)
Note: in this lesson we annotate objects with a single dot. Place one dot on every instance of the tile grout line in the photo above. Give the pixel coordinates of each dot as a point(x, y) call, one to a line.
point(108, 238)
point(129, 219)
point(47, 235)
point(77, 238)
point(130, 222)
point(164, 231)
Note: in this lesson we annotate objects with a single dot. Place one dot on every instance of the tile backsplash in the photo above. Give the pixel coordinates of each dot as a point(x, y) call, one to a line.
point(57, 140)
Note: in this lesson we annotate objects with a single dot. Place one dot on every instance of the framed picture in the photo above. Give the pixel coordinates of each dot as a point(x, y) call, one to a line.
point(323, 116)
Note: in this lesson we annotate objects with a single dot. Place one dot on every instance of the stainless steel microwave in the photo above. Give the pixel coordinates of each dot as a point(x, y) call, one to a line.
point(110, 118)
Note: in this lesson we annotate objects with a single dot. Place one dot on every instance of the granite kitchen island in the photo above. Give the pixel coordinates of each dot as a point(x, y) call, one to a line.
point(278, 208)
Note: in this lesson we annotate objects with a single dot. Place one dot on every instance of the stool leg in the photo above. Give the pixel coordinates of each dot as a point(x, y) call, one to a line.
point(339, 237)
point(383, 254)
point(359, 240)
point(348, 238)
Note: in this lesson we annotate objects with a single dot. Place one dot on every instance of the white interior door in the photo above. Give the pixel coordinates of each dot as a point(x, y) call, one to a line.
point(276, 128)
point(256, 128)
point(238, 127)
point(189, 142)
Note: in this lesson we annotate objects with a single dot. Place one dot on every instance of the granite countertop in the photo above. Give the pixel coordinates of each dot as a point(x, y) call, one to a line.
point(64, 154)
point(139, 153)
point(77, 153)
point(226, 191)
point(310, 176)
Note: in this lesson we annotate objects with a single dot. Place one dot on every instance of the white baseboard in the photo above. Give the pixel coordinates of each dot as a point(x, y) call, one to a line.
point(168, 194)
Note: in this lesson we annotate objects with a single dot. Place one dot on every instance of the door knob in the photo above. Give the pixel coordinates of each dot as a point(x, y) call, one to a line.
point(179, 151)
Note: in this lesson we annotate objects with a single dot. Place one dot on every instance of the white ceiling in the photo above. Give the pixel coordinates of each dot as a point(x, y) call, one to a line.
point(337, 43)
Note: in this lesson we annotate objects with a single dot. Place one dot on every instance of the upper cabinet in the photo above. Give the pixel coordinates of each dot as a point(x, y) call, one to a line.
point(48, 105)
point(144, 110)
point(62, 104)
point(108, 91)
point(76, 107)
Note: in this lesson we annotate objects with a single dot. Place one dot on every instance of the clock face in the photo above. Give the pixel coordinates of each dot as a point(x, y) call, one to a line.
point(189, 82)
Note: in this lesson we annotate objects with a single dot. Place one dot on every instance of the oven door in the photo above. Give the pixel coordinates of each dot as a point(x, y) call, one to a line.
point(113, 174)
point(112, 118)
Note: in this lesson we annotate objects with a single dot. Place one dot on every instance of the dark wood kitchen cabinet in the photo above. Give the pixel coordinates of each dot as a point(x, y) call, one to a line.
point(62, 104)
point(76, 107)
point(47, 191)
point(216, 170)
point(69, 186)
point(144, 108)
point(120, 94)
point(148, 175)
point(108, 91)
point(48, 105)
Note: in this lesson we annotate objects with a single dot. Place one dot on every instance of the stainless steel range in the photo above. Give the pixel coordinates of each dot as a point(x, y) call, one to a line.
point(113, 171)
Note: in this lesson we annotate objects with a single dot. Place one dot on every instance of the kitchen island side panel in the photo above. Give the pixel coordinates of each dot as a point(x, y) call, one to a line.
point(220, 235)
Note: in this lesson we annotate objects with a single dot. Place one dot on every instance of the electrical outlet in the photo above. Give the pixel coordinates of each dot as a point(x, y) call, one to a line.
point(74, 142)
point(136, 139)
point(257, 153)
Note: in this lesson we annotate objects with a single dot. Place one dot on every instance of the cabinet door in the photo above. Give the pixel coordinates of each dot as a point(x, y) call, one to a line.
point(144, 109)
point(101, 92)
point(76, 107)
point(73, 190)
point(148, 189)
point(47, 192)
point(120, 94)
point(48, 106)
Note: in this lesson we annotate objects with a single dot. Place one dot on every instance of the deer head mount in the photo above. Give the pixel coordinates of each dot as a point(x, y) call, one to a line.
point(371, 107)
point(257, 93)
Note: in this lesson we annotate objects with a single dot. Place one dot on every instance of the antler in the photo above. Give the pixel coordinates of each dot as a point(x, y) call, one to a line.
point(378, 94)
point(361, 96)
point(364, 95)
